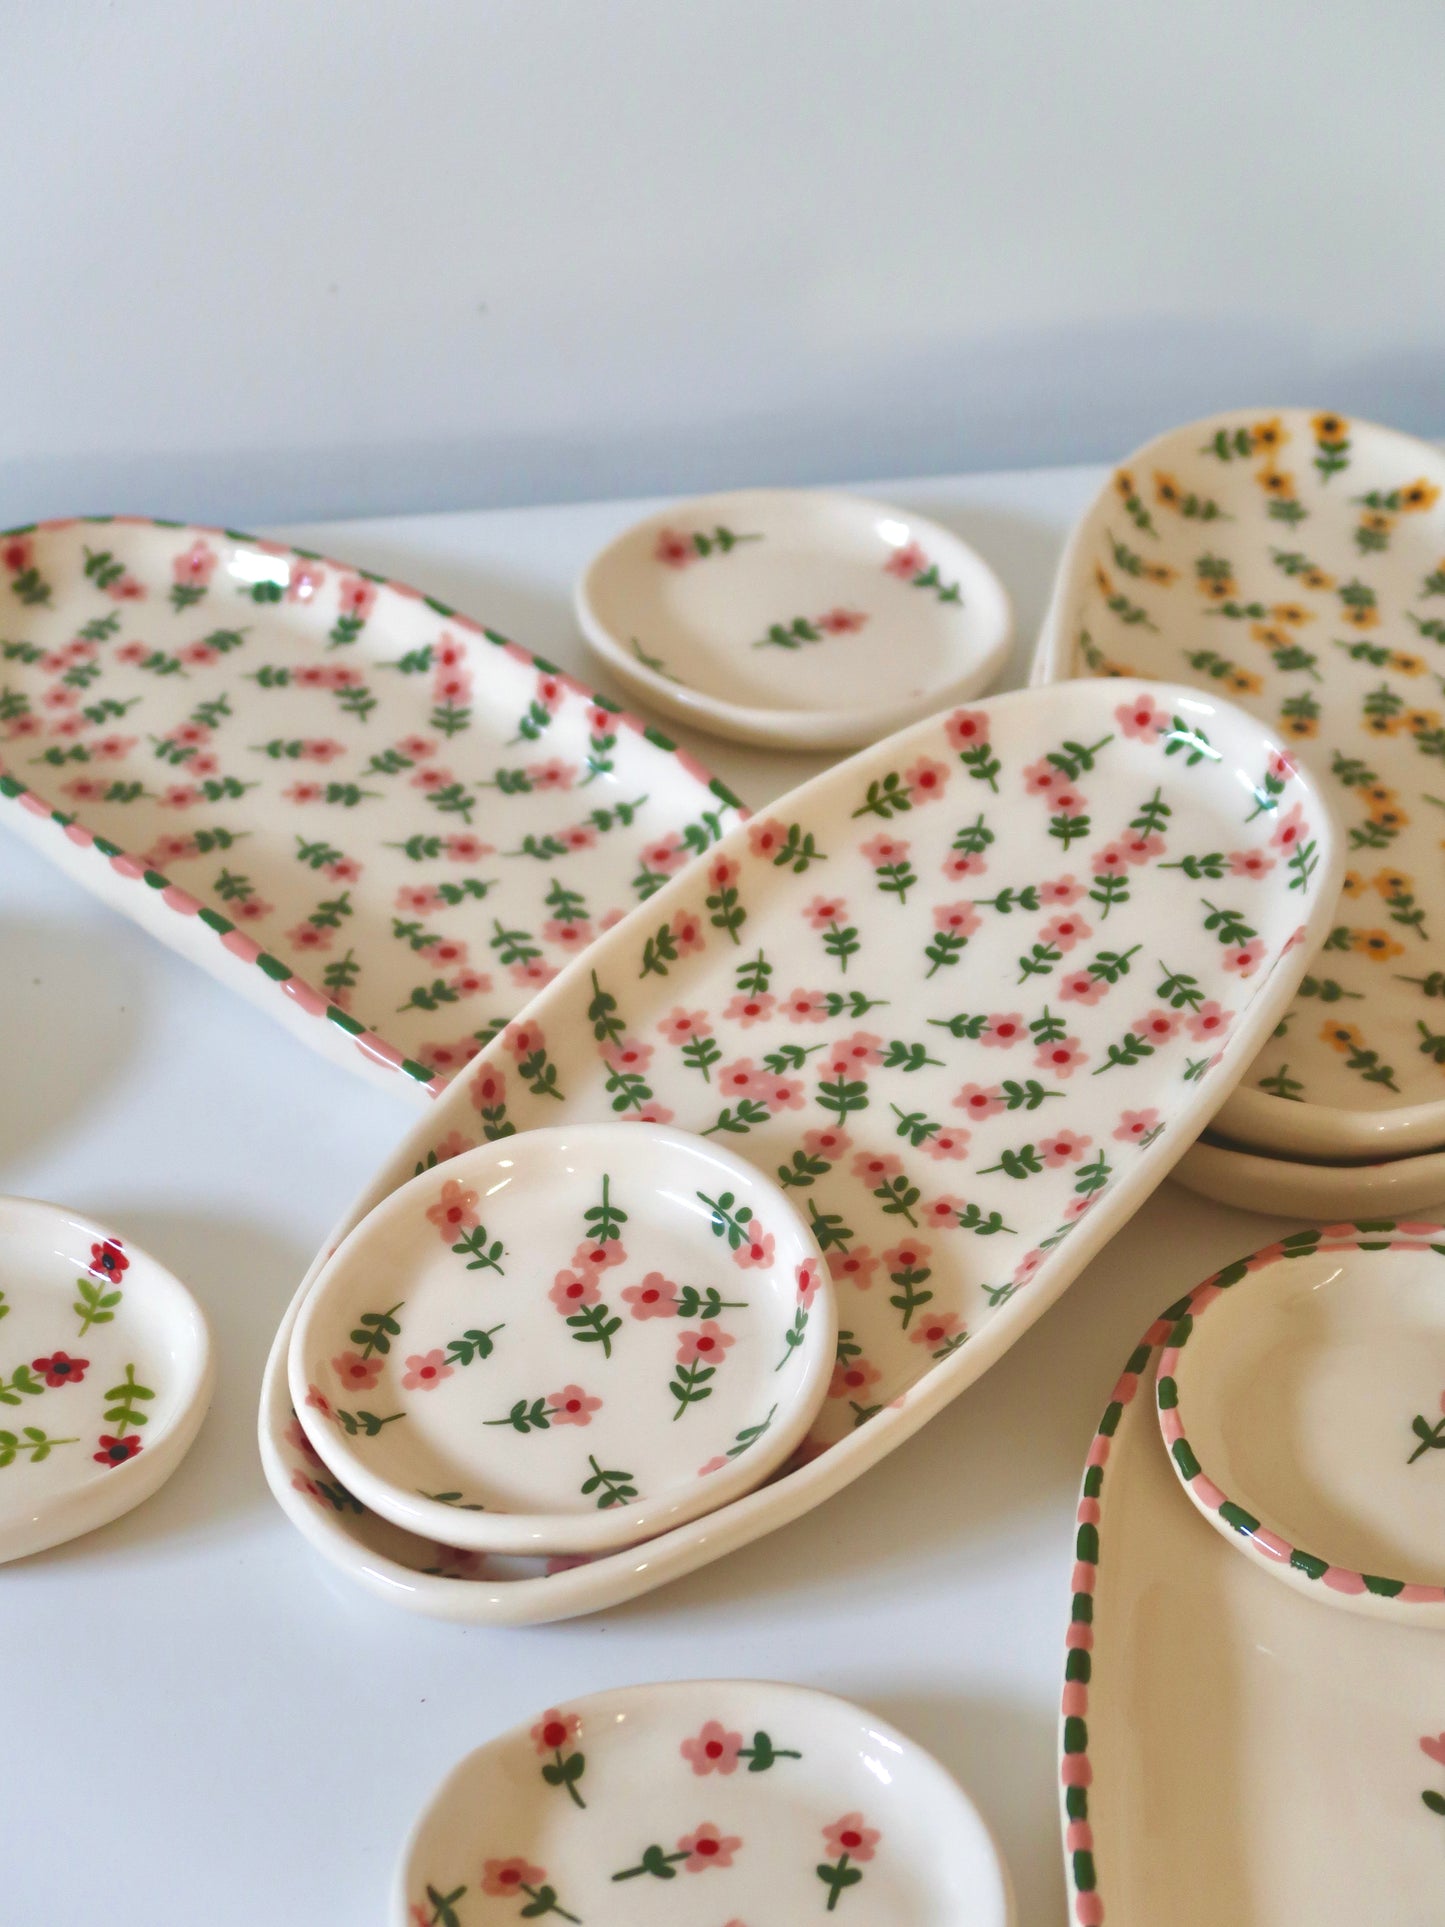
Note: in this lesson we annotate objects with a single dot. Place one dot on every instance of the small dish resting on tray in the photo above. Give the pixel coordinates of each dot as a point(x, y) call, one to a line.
point(566, 1340)
point(702, 1800)
point(797, 617)
point(964, 999)
point(379, 821)
point(1296, 563)
point(105, 1376)
point(1290, 1188)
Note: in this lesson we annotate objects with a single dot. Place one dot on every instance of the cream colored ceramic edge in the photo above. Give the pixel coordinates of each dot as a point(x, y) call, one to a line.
point(1314, 1130)
point(1291, 1189)
point(796, 728)
point(622, 1576)
point(793, 1702)
point(97, 1504)
point(523, 1533)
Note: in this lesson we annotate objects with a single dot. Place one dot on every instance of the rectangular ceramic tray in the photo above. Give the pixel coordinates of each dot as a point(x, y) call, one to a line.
point(966, 997)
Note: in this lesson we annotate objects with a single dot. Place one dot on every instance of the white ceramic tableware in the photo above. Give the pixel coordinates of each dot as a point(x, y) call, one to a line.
point(796, 617)
point(963, 998)
point(696, 1802)
point(1299, 1392)
point(1296, 562)
point(379, 821)
point(105, 1376)
point(566, 1340)
point(1228, 1751)
point(1290, 1188)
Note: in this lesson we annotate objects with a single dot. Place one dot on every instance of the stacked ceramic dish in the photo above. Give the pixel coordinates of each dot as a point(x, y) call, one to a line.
point(1296, 562)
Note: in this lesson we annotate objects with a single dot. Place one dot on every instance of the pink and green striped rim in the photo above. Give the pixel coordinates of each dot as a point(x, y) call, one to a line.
point(292, 983)
point(1265, 1544)
point(1075, 1769)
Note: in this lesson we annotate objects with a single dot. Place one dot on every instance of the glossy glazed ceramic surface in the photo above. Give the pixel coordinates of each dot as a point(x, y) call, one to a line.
point(1283, 1391)
point(105, 1375)
point(1288, 1188)
point(381, 821)
point(795, 616)
point(1201, 1696)
point(968, 1058)
point(701, 1801)
point(1297, 563)
point(566, 1340)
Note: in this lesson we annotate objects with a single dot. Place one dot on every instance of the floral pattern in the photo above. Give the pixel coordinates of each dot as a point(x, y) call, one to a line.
point(326, 768)
point(1312, 590)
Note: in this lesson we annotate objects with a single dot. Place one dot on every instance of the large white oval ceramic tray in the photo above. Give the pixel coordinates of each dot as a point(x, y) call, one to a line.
point(969, 1035)
point(566, 1340)
point(696, 1802)
point(1292, 1189)
point(795, 616)
point(1216, 1726)
point(378, 820)
point(105, 1376)
point(1297, 563)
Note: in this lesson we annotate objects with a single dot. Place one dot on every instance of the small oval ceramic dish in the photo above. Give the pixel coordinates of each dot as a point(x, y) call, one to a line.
point(795, 616)
point(566, 1340)
point(1299, 1393)
point(374, 818)
point(700, 1802)
point(105, 1376)
point(1296, 562)
point(1290, 1188)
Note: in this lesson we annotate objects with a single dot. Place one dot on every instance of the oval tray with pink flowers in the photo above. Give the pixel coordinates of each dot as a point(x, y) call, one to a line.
point(965, 997)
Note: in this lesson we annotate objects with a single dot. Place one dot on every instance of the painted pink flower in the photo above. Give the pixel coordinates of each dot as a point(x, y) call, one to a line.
point(1210, 1020)
point(862, 1048)
point(322, 749)
point(756, 1249)
point(927, 779)
point(680, 1025)
point(946, 1142)
point(572, 1290)
point(319, 1402)
point(1027, 1266)
point(832, 1142)
point(488, 1088)
point(504, 1878)
point(356, 597)
point(741, 1078)
point(575, 935)
point(417, 896)
point(455, 1211)
point(666, 855)
point(425, 1371)
point(470, 983)
point(1077, 1207)
point(626, 1054)
point(309, 936)
point(1063, 1147)
point(708, 1848)
point(303, 579)
point(981, 1101)
point(809, 1281)
point(554, 774)
point(906, 562)
point(655, 1297)
point(304, 793)
point(650, 1113)
point(447, 1058)
point(883, 851)
point(1003, 1030)
point(533, 974)
point(1250, 863)
point(1245, 957)
point(708, 1344)
point(674, 549)
point(555, 1729)
point(1140, 847)
point(345, 869)
point(597, 1255)
point(963, 863)
point(806, 1006)
point(1134, 1125)
point(876, 1167)
point(455, 687)
point(747, 1010)
point(1282, 766)
point(199, 655)
point(1289, 828)
point(451, 1146)
point(466, 848)
point(1157, 1026)
point(432, 779)
point(849, 1835)
point(967, 728)
point(942, 1213)
point(853, 1267)
point(126, 589)
point(907, 1256)
point(1042, 778)
point(841, 622)
point(853, 1378)
point(722, 872)
point(1082, 987)
point(1062, 1057)
point(356, 1373)
point(1062, 890)
point(572, 1406)
point(823, 911)
point(1142, 719)
point(1066, 930)
point(936, 1329)
point(783, 1094)
point(550, 691)
point(713, 1750)
point(1111, 861)
point(766, 837)
point(958, 919)
point(295, 1436)
point(601, 721)
point(301, 1483)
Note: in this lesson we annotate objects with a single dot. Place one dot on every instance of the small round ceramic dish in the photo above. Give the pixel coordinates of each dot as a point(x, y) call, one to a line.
point(1252, 1181)
point(105, 1376)
point(794, 616)
point(702, 1801)
point(1299, 1394)
point(566, 1340)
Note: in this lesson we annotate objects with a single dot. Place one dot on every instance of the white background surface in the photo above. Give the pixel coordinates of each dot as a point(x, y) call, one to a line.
point(201, 1721)
point(298, 258)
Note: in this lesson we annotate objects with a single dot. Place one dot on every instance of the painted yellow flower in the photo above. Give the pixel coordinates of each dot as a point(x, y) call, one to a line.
point(1419, 720)
point(1293, 613)
point(1124, 484)
point(1377, 794)
point(1167, 489)
point(1158, 572)
point(1340, 1037)
point(1378, 945)
point(1270, 434)
point(1354, 884)
point(1277, 482)
point(1419, 495)
point(1407, 664)
point(1379, 725)
point(1363, 617)
point(1377, 522)
point(1101, 577)
point(1315, 578)
point(1389, 816)
point(1269, 634)
point(1243, 682)
point(1299, 727)
point(1219, 588)
point(1392, 883)
point(1330, 428)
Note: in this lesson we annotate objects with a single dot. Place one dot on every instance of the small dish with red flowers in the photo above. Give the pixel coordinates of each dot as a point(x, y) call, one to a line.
point(105, 1376)
point(566, 1341)
point(796, 617)
point(701, 1801)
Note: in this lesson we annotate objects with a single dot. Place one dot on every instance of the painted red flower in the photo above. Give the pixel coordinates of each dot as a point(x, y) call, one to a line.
point(906, 562)
point(108, 1260)
point(356, 597)
point(17, 553)
point(115, 1451)
point(60, 1368)
point(674, 549)
point(555, 1730)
